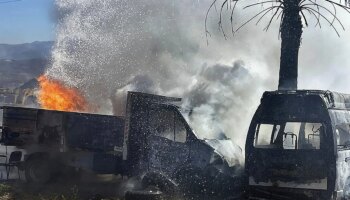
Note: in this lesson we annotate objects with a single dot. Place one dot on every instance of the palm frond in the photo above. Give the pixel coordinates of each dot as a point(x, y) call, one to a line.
point(322, 13)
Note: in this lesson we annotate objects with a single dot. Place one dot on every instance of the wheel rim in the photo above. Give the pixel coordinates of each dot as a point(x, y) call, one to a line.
point(39, 171)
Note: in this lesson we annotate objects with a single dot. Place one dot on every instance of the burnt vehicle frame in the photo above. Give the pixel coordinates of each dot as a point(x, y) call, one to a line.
point(132, 145)
point(309, 162)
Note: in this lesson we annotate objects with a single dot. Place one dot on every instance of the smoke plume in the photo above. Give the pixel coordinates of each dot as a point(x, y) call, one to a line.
point(107, 47)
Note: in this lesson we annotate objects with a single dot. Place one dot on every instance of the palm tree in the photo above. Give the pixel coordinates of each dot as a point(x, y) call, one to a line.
point(290, 13)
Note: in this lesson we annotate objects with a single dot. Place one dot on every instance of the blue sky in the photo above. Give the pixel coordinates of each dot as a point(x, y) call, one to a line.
point(26, 21)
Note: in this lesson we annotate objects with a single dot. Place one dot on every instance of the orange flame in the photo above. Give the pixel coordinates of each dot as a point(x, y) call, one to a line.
point(54, 95)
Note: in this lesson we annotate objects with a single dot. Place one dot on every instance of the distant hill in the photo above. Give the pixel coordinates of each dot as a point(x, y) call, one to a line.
point(26, 51)
point(21, 63)
point(14, 73)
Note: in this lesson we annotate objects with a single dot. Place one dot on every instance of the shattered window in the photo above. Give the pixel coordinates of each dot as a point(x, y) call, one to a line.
point(289, 135)
point(167, 124)
point(162, 123)
point(180, 131)
point(263, 135)
point(343, 135)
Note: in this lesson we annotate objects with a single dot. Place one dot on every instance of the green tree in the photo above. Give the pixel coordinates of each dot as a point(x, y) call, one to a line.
point(290, 13)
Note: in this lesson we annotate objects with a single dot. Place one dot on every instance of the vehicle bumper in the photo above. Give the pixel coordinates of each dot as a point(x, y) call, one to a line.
point(275, 193)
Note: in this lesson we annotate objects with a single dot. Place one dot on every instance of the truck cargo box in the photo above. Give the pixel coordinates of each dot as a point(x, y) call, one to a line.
point(60, 130)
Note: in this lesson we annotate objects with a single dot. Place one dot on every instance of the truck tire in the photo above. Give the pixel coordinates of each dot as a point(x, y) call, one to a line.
point(190, 180)
point(160, 181)
point(38, 170)
point(144, 195)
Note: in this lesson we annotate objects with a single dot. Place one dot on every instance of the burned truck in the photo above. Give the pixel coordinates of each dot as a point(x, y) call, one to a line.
point(298, 146)
point(152, 138)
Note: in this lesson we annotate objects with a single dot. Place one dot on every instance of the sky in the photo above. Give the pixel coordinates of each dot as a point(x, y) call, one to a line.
point(26, 21)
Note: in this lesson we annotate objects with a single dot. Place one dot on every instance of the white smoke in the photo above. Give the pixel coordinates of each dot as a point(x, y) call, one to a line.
point(220, 98)
point(106, 47)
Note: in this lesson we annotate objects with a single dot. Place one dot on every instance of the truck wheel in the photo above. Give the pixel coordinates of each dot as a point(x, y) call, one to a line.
point(190, 180)
point(38, 170)
point(159, 181)
point(144, 195)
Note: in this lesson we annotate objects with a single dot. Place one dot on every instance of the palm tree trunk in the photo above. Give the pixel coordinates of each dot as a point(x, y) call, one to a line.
point(291, 31)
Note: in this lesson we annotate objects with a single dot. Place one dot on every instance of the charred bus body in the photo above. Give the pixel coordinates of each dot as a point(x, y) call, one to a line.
point(152, 138)
point(298, 146)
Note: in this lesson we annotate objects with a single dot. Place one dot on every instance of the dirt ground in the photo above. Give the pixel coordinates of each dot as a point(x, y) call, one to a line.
point(86, 187)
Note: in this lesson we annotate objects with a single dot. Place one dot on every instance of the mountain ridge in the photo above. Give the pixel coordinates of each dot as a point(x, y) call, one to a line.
point(36, 49)
point(20, 63)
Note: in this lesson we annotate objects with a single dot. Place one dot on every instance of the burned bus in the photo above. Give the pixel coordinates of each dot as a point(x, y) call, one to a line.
point(298, 146)
point(152, 141)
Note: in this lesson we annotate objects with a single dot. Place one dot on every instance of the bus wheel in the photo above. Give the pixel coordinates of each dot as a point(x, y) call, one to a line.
point(37, 170)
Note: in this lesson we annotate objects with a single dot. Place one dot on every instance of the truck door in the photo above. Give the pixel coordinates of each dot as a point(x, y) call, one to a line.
point(167, 140)
point(94, 139)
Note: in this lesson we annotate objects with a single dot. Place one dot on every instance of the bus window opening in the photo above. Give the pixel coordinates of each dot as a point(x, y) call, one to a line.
point(289, 135)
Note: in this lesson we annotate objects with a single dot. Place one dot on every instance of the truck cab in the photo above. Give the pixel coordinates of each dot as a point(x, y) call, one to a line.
point(158, 139)
point(298, 146)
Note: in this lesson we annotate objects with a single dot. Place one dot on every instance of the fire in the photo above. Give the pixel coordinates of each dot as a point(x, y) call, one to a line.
point(55, 95)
